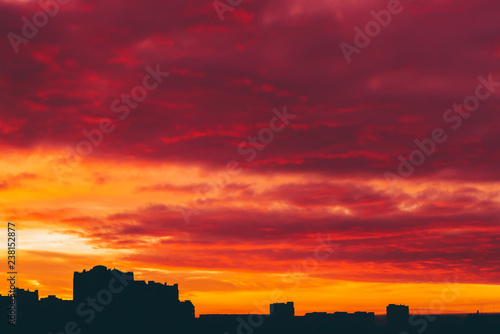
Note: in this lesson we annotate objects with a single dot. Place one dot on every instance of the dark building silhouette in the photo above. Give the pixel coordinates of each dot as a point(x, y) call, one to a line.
point(104, 301)
point(53, 301)
point(26, 296)
point(482, 323)
point(4, 307)
point(398, 317)
point(282, 311)
point(339, 322)
point(89, 283)
point(26, 300)
point(129, 302)
point(4, 301)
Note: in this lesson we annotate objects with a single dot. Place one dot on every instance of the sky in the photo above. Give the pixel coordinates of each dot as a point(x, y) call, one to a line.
point(241, 152)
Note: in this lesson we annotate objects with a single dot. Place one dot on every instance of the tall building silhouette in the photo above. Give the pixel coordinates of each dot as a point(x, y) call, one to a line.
point(128, 302)
point(89, 283)
point(282, 311)
point(398, 317)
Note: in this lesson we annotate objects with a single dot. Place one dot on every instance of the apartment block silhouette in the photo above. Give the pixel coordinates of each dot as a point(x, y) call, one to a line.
point(398, 317)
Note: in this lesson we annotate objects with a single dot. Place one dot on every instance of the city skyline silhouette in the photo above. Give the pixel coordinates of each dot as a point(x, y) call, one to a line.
point(107, 300)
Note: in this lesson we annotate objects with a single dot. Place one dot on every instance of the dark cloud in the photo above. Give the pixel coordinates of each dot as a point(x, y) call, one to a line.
point(227, 76)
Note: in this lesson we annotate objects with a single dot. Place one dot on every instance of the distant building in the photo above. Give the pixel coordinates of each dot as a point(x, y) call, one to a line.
point(25, 300)
point(282, 311)
point(363, 321)
point(4, 302)
point(398, 316)
point(26, 296)
point(340, 322)
point(51, 301)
